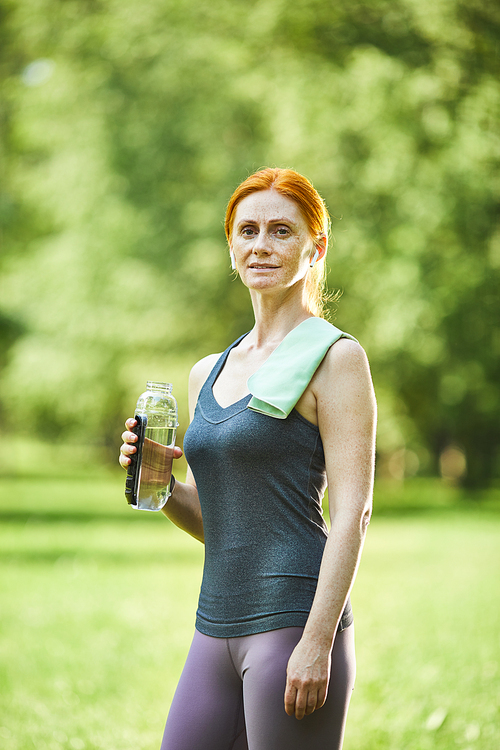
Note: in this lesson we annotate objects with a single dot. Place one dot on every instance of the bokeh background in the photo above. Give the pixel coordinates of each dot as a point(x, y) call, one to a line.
point(125, 127)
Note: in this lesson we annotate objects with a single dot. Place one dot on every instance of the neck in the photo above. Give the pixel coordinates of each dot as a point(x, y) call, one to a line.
point(275, 318)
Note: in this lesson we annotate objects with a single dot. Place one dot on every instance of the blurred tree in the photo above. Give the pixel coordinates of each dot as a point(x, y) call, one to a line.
point(17, 223)
point(128, 126)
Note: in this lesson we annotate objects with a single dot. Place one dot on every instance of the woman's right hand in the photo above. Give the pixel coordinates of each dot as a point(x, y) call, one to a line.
point(128, 448)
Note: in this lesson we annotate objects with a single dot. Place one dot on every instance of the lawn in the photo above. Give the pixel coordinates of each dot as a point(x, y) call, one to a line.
point(97, 607)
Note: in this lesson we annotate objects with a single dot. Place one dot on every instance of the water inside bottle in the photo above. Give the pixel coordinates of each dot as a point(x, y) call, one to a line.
point(156, 467)
point(162, 435)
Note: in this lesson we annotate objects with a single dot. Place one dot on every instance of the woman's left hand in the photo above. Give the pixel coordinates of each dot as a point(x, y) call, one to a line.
point(307, 676)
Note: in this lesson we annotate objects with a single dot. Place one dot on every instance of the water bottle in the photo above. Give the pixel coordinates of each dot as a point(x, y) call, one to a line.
point(147, 486)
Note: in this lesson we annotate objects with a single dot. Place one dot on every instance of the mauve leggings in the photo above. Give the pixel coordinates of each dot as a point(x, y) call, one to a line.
point(230, 696)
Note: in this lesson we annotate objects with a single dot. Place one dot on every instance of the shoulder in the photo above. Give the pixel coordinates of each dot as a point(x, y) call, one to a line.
point(201, 370)
point(199, 373)
point(345, 355)
point(344, 373)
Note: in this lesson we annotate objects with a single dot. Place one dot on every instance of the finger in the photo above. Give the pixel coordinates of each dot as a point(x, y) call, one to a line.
point(128, 450)
point(312, 702)
point(130, 423)
point(321, 697)
point(177, 452)
point(129, 437)
point(300, 704)
point(290, 694)
point(124, 461)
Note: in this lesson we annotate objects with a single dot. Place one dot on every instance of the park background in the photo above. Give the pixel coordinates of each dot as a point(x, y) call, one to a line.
point(125, 126)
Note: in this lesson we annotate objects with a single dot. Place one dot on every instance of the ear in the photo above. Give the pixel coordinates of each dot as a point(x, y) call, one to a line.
point(233, 259)
point(321, 246)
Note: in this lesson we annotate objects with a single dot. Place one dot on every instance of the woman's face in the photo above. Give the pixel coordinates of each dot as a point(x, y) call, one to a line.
point(271, 241)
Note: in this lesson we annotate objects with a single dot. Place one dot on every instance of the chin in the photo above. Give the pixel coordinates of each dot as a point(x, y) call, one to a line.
point(263, 283)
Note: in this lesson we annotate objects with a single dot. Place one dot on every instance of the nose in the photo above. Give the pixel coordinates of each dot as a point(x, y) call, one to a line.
point(261, 246)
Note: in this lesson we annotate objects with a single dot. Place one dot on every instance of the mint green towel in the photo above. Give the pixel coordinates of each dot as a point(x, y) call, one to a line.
point(280, 382)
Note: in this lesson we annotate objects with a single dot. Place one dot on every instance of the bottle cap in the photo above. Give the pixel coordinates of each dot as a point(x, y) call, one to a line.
point(154, 385)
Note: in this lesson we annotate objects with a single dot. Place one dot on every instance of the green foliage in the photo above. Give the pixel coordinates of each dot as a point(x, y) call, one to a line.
point(125, 129)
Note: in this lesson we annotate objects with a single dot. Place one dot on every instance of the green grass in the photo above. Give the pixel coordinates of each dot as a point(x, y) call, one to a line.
point(97, 606)
point(426, 608)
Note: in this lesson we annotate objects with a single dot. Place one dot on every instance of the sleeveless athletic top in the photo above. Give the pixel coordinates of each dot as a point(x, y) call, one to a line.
point(260, 482)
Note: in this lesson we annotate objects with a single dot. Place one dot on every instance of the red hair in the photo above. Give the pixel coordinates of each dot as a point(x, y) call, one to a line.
point(298, 188)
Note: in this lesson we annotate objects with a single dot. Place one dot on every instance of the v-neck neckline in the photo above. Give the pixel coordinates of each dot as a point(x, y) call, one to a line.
point(220, 364)
point(218, 369)
point(208, 405)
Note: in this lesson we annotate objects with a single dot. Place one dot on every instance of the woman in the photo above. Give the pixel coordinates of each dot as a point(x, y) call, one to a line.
point(272, 663)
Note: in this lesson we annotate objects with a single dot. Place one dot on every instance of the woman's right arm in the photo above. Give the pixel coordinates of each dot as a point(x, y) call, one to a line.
point(183, 506)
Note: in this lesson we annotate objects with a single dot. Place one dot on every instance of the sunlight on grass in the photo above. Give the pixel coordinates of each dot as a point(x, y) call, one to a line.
point(426, 617)
point(98, 603)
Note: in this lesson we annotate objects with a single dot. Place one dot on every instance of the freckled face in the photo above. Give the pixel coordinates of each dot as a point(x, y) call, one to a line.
point(271, 241)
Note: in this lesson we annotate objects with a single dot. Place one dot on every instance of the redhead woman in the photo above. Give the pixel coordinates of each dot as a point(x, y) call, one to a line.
point(286, 410)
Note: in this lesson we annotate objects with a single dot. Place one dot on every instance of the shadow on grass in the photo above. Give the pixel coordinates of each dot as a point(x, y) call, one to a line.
point(100, 557)
point(427, 496)
point(23, 517)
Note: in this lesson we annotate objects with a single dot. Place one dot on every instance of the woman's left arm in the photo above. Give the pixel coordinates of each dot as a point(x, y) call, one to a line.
point(347, 419)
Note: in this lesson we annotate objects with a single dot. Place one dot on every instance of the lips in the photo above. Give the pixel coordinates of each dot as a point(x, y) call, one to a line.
point(262, 265)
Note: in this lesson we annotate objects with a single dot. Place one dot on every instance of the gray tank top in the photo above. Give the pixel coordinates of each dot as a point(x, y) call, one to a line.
point(260, 482)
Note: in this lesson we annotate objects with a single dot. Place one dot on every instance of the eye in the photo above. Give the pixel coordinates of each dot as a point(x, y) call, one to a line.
point(247, 231)
point(282, 231)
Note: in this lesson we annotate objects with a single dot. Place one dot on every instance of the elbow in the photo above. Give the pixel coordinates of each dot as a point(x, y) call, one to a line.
point(365, 520)
point(200, 537)
point(353, 522)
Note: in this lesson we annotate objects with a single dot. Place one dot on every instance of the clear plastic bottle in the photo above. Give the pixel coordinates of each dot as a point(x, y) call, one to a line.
point(147, 485)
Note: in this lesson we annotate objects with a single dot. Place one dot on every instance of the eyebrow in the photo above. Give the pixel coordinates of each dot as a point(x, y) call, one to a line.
point(280, 220)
